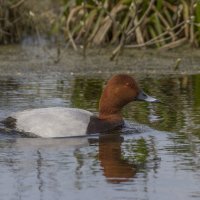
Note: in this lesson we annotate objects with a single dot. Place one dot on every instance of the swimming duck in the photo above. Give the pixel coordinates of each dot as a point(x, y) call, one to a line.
point(54, 122)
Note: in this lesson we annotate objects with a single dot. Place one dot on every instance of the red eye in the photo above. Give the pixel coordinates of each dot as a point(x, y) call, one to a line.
point(128, 84)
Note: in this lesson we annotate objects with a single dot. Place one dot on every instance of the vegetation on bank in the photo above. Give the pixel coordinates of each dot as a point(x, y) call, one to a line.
point(121, 23)
point(14, 21)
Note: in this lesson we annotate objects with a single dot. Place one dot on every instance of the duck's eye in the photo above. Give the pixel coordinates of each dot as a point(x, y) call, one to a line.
point(129, 85)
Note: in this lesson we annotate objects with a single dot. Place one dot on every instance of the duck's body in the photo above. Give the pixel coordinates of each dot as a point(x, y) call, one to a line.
point(53, 122)
point(67, 122)
point(59, 122)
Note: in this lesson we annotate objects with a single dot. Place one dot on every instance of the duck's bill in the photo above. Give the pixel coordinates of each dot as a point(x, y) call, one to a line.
point(144, 97)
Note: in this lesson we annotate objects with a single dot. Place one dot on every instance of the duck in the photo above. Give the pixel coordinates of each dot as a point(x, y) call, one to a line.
point(57, 122)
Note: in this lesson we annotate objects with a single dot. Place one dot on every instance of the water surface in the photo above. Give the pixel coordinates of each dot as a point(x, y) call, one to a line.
point(157, 155)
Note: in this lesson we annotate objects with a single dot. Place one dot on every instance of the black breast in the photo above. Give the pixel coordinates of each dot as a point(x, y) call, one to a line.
point(97, 125)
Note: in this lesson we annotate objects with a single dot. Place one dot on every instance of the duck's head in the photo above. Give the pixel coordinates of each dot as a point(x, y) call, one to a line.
point(120, 90)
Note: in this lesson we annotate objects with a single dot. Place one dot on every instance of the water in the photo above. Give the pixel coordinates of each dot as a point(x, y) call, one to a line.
point(157, 155)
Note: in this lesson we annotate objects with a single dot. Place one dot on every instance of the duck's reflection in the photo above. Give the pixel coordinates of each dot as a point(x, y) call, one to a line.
point(115, 168)
point(45, 157)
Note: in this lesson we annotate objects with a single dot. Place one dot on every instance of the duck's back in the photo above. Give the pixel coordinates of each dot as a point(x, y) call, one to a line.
point(53, 122)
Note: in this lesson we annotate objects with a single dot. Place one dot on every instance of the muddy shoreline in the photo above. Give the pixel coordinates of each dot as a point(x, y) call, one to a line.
point(23, 60)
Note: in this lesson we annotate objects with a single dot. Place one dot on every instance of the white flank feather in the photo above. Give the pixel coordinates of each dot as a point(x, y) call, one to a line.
point(53, 122)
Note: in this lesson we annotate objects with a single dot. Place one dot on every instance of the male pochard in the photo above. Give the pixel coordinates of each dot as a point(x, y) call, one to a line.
point(64, 122)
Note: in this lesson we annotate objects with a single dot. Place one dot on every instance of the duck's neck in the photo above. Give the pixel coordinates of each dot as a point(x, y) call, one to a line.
point(110, 115)
point(108, 111)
